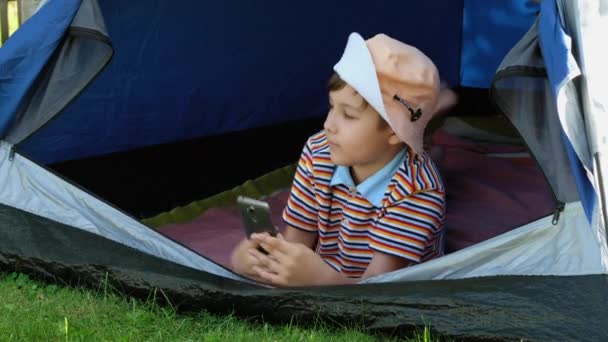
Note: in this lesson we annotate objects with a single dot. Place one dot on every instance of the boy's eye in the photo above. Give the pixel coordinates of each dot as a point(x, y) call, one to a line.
point(347, 116)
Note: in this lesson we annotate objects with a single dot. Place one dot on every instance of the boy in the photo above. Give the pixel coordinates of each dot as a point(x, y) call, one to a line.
point(366, 198)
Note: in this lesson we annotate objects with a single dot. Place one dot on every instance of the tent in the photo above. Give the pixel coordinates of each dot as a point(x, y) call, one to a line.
point(178, 101)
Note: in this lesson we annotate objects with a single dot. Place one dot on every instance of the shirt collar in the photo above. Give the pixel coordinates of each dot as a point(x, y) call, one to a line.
point(374, 187)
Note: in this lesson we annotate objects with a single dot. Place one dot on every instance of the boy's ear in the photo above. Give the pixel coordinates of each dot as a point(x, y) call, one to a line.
point(393, 139)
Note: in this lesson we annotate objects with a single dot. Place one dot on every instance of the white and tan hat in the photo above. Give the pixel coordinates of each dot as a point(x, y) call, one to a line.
point(399, 81)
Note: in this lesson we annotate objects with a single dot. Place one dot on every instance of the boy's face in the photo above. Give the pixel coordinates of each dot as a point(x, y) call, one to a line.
point(355, 135)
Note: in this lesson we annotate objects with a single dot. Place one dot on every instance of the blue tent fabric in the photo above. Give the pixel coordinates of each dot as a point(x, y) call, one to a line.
point(206, 68)
point(557, 54)
point(26, 53)
point(201, 69)
point(490, 28)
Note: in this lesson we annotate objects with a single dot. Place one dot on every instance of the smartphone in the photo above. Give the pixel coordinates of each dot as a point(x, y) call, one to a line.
point(256, 216)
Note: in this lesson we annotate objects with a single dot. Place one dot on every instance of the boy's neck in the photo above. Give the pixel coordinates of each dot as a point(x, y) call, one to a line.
point(359, 176)
point(359, 173)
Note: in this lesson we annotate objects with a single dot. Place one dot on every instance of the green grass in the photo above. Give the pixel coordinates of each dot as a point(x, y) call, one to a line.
point(33, 310)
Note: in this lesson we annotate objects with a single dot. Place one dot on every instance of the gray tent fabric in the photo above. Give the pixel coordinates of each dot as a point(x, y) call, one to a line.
point(504, 308)
point(587, 24)
point(522, 92)
point(89, 17)
point(572, 118)
point(84, 53)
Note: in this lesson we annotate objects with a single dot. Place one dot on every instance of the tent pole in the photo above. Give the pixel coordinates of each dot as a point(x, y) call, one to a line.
point(4, 20)
point(602, 189)
point(19, 15)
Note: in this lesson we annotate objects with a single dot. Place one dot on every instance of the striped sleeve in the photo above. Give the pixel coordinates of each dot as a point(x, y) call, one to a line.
point(410, 229)
point(301, 210)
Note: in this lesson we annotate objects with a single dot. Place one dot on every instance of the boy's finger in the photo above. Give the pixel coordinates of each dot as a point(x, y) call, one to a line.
point(279, 257)
point(269, 241)
point(280, 245)
point(253, 252)
point(258, 236)
point(269, 277)
point(269, 264)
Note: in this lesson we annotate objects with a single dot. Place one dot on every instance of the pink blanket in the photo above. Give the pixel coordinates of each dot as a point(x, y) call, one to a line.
point(490, 190)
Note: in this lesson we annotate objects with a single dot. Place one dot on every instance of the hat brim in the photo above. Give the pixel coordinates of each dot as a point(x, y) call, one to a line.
point(357, 69)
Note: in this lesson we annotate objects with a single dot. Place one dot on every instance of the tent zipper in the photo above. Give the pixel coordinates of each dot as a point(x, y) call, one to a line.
point(559, 205)
point(11, 154)
point(530, 72)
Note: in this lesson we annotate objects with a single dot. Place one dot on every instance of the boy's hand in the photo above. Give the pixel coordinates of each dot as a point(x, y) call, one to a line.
point(241, 259)
point(287, 264)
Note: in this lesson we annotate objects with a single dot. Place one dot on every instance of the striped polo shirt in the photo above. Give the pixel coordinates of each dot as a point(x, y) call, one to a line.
point(406, 221)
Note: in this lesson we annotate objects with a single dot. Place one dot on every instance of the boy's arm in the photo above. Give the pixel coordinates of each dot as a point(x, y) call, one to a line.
point(297, 265)
point(241, 257)
point(295, 235)
point(406, 232)
point(383, 263)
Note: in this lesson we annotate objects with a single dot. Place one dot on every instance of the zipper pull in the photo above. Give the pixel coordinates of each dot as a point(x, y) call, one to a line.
point(11, 154)
point(558, 210)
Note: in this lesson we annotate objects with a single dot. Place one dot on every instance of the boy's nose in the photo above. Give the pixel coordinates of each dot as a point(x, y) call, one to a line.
point(329, 124)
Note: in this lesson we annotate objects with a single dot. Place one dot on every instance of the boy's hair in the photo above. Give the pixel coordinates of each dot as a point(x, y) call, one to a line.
point(336, 83)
